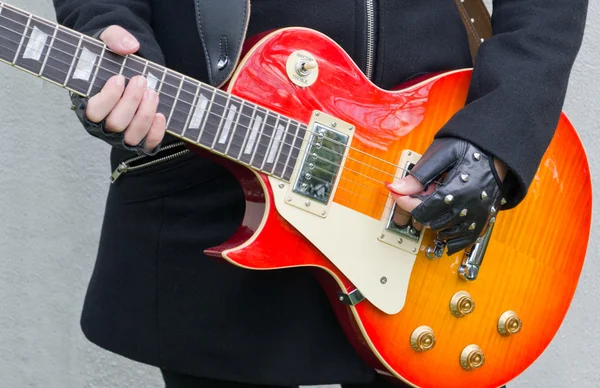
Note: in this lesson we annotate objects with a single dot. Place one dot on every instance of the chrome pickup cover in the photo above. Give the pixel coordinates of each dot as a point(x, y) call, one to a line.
point(319, 168)
point(321, 163)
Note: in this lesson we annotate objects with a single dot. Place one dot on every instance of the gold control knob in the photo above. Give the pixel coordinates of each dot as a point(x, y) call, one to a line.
point(422, 339)
point(509, 324)
point(472, 358)
point(461, 304)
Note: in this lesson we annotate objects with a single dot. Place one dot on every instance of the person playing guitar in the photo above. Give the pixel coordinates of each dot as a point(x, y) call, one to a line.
point(155, 298)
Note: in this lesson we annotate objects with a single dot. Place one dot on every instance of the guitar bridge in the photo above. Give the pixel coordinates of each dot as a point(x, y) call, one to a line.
point(406, 231)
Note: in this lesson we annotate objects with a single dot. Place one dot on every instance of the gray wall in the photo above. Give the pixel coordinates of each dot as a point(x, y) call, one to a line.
point(53, 181)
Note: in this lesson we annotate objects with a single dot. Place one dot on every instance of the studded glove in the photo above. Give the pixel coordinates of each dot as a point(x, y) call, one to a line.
point(468, 193)
point(115, 139)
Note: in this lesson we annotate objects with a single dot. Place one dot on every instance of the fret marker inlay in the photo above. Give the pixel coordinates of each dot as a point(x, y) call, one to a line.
point(254, 132)
point(85, 65)
point(35, 46)
point(152, 81)
point(199, 112)
point(275, 145)
point(227, 126)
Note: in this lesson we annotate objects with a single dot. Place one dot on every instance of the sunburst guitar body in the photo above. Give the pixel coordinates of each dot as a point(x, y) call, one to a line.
point(432, 328)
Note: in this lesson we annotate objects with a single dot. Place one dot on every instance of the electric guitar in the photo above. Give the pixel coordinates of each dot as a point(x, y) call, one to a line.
point(313, 142)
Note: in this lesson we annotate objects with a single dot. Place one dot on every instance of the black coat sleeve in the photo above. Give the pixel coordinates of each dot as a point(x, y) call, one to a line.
point(89, 17)
point(519, 84)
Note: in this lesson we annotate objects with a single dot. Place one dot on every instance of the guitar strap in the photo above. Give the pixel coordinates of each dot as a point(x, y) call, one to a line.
point(478, 24)
point(222, 25)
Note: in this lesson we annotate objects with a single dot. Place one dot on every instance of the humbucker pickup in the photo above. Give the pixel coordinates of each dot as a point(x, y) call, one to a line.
point(317, 173)
point(321, 164)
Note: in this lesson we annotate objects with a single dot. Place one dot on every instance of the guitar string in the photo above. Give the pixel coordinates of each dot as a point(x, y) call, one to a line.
point(376, 192)
point(210, 134)
point(224, 94)
point(292, 145)
point(97, 43)
point(379, 193)
point(176, 100)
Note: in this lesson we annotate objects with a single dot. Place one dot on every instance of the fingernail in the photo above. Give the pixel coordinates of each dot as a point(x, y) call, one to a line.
point(142, 81)
point(120, 80)
point(149, 94)
point(396, 187)
point(128, 42)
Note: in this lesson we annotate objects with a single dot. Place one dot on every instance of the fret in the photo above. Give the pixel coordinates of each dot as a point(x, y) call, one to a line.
point(284, 153)
point(123, 65)
point(86, 61)
point(205, 96)
point(221, 121)
point(275, 139)
point(276, 148)
point(173, 107)
point(35, 46)
point(214, 116)
point(184, 100)
point(48, 52)
point(12, 26)
point(256, 127)
point(167, 93)
point(256, 133)
point(286, 150)
point(232, 115)
point(162, 81)
point(294, 152)
point(235, 128)
point(146, 62)
point(60, 56)
point(135, 66)
point(79, 41)
point(242, 130)
point(22, 39)
point(96, 71)
point(110, 65)
point(260, 151)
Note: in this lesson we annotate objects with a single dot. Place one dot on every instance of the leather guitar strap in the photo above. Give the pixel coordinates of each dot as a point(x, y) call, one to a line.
point(222, 25)
point(476, 19)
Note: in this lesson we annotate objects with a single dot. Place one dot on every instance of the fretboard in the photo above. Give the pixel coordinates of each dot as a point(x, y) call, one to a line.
point(195, 112)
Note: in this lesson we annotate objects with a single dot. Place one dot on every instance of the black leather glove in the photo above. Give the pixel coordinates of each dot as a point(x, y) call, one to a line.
point(468, 195)
point(115, 139)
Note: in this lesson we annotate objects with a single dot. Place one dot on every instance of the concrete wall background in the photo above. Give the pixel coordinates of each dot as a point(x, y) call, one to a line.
point(51, 203)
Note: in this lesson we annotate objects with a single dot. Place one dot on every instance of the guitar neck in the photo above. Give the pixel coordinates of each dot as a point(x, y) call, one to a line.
point(195, 112)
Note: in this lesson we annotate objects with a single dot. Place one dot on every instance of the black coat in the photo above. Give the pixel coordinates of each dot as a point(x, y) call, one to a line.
point(154, 298)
